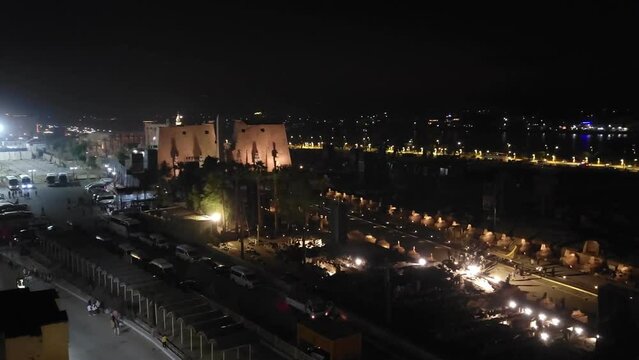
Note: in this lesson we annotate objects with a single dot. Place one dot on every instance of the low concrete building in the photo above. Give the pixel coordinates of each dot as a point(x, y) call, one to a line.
point(260, 142)
point(32, 326)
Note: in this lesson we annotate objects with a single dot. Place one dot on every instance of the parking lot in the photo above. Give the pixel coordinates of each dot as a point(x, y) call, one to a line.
point(41, 167)
point(57, 203)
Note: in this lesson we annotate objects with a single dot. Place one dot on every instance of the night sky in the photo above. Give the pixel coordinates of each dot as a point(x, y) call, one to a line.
point(138, 60)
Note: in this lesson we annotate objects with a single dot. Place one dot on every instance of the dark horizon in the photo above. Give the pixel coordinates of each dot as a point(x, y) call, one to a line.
point(70, 59)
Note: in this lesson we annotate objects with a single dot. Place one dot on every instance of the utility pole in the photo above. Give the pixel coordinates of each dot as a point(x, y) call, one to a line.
point(259, 207)
point(217, 137)
point(240, 238)
point(276, 204)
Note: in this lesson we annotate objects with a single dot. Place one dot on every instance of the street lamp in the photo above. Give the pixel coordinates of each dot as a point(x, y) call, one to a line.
point(215, 219)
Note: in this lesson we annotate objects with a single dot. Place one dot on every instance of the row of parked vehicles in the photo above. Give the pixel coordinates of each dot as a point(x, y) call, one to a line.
point(59, 179)
point(128, 227)
point(10, 211)
point(21, 182)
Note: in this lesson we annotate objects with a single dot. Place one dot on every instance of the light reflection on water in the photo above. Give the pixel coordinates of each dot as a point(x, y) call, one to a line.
point(563, 145)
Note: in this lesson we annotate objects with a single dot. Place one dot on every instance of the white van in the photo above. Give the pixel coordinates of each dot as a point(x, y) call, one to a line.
point(187, 253)
point(13, 183)
point(243, 276)
point(63, 179)
point(25, 181)
point(51, 178)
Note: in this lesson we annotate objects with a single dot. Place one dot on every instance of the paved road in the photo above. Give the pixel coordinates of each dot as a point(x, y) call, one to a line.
point(90, 337)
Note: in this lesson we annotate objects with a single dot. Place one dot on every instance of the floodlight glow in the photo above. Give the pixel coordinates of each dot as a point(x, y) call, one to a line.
point(579, 330)
point(359, 261)
point(542, 317)
point(473, 270)
point(422, 261)
point(554, 321)
point(215, 217)
point(544, 336)
point(512, 304)
point(528, 311)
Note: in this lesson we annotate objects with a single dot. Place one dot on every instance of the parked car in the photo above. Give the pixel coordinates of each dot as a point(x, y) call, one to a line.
point(107, 241)
point(187, 253)
point(25, 236)
point(97, 193)
point(161, 268)
point(7, 207)
point(218, 267)
point(125, 248)
point(139, 256)
point(15, 215)
point(243, 276)
point(94, 187)
point(105, 199)
point(156, 240)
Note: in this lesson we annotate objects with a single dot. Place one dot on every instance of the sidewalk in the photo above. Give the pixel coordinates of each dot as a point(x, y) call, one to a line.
point(91, 337)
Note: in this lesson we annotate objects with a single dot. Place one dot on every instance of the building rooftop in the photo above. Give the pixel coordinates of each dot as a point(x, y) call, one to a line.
point(24, 312)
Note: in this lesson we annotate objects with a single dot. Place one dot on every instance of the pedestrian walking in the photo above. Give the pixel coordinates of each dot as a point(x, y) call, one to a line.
point(115, 325)
point(165, 341)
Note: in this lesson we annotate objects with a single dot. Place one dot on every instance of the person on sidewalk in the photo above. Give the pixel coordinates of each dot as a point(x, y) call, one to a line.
point(165, 341)
point(115, 325)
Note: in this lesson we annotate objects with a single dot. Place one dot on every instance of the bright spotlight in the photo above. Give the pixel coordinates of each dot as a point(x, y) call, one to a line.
point(359, 261)
point(528, 311)
point(544, 336)
point(422, 261)
point(579, 330)
point(554, 321)
point(512, 304)
point(473, 270)
point(215, 217)
point(542, 317)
